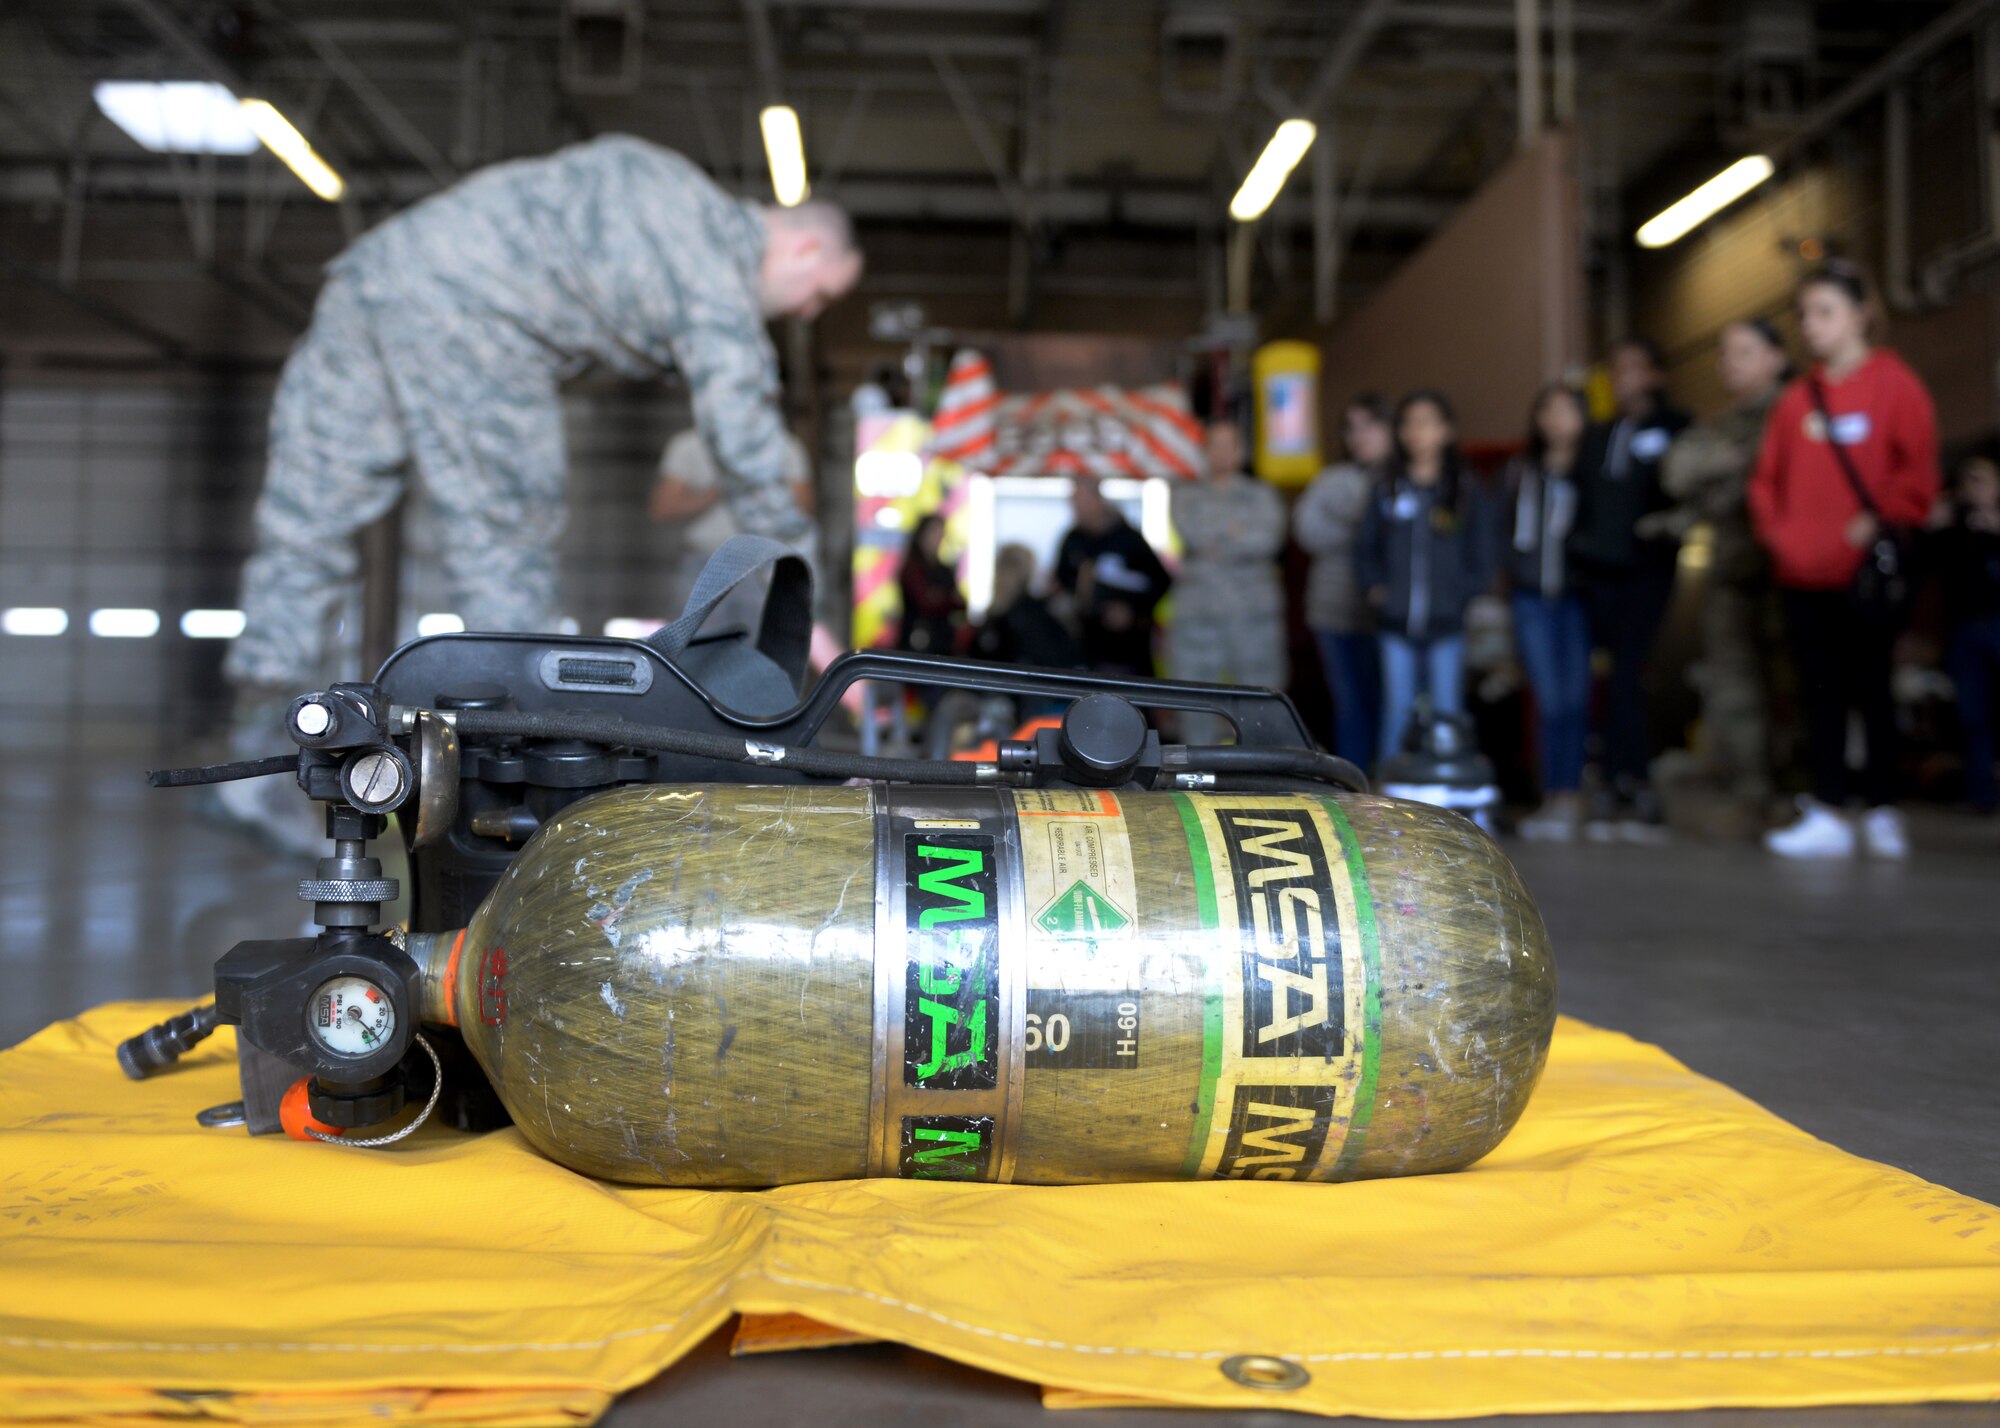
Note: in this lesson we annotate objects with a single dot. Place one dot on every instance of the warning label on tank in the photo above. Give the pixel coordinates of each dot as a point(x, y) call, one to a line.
point(946, 1148)
point(951, 997)
point(1083, 1007)
point(1287, 1030)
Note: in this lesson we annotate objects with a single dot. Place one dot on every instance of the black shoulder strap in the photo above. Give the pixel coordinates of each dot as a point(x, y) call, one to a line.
point(784, 635)
point(1840, 452)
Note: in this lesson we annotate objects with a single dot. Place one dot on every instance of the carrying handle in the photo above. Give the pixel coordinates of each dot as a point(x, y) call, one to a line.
point(784, 635)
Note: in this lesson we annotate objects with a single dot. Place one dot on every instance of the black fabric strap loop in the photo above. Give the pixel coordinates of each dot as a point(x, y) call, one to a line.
point(784, 635)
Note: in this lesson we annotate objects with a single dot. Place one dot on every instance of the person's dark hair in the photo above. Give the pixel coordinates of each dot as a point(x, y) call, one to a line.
point(1374, 404)
point(1537, 444)
point(1453, 463)
point(1768, 333)
point(913, 553)
point(1845, 275)
point(1638, 343)
point(1849, 278)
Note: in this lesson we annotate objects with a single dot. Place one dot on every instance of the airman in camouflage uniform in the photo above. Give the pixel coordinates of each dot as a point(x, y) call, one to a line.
point(1229, 605)
point(439, 341)
point(1706, 472)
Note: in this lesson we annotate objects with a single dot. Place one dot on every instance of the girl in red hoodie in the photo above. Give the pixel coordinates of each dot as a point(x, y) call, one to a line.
point(1808, 515)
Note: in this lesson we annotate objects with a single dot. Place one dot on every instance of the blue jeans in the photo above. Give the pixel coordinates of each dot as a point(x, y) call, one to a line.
point(1353, 668)
point(1440, 663)
point(1975, 658)
point(1553, 637)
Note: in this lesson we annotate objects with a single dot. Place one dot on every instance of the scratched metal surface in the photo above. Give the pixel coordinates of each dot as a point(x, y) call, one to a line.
point(1856, 1001)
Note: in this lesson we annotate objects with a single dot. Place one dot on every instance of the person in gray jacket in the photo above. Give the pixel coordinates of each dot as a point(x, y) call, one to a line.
point(1326, 523)
point(439, 341)
point(1427, 547)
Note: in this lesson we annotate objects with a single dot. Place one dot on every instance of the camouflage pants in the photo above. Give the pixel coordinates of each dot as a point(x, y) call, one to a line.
point(1734, 719)
point(383, 382)
point(1233, 638)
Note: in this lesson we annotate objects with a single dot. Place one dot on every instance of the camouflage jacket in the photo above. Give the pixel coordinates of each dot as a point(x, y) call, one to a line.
point(1706, 472)
point(614, 251)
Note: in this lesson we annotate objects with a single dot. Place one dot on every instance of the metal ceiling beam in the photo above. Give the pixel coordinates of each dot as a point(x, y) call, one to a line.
point(172, 348)
point(983, 139)
point(927, 7)
point(763, 53)
point(1354, 42)
point(1896, 64)
point(164, 23)
point(394, 124)
point(872, 198)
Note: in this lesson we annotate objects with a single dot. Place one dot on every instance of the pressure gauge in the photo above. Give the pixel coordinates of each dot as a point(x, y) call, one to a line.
point(351, 1016)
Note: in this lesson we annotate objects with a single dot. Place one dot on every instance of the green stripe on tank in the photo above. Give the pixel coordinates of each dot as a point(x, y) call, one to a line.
point(1211, 1010)
point(1371, 998)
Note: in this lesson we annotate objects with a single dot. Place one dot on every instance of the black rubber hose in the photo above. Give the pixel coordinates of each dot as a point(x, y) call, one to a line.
point(816, 763)
point(1308, 764)
point(158, 1047)
point(223, 773)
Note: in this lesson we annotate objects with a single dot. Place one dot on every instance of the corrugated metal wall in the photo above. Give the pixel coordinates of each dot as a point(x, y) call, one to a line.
point(138, 496)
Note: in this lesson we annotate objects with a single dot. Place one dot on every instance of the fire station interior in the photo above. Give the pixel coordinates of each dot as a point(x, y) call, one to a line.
point(1544, 449)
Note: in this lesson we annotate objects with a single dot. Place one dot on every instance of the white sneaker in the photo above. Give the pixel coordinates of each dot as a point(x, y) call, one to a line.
point(1819, 833)
point(1551, 823)
point(1882, 834)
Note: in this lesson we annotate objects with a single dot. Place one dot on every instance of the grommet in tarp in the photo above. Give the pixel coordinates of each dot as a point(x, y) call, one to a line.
point(1265, 1371)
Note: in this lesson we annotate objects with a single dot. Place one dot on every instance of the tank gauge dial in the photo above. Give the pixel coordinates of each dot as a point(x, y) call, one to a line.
point(351, 1016)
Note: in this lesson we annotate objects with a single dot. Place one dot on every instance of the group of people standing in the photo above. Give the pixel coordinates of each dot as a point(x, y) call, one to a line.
point(1819, 496)
point(1811, 486)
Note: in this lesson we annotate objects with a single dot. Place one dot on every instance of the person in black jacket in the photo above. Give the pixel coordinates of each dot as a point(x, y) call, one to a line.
point(1626, 575)
point(1113, 580)
point(1966, 555)
point(1426, 548)
point(1019, 627)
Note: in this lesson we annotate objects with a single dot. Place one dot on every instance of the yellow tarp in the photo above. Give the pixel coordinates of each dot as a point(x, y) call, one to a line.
point(1645, 1239)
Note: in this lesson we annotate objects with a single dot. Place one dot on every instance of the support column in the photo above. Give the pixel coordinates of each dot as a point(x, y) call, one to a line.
point(1528, 69)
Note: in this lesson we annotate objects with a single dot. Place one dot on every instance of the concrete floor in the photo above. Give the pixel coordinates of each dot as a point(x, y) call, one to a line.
point(1858, 1001)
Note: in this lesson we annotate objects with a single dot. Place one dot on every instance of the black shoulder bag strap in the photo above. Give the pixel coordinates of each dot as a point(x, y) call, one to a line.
point(766, 677)
point(1840, 452)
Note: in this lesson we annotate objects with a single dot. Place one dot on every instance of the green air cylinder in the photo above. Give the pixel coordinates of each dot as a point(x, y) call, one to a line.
point(745, 986)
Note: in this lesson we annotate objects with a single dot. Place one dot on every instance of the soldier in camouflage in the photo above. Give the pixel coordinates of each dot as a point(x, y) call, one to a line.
point(1229, 607)
point(439, 341)
point(1706, 472)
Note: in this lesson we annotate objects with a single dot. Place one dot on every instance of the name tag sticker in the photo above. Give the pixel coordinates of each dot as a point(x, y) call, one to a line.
point(1651, 444)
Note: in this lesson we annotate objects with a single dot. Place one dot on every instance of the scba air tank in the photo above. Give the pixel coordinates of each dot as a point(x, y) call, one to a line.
point(745, 986)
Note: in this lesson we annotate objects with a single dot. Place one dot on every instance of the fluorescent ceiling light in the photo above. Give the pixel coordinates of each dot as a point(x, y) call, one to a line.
point(1273, 166)
point(291, 147)
point(1718, 193)
point(34, 620)
point(785, 148)
point(625, 627)
point(117, 624)
point(177, 117)
point(212, 624)
point(440, 625)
